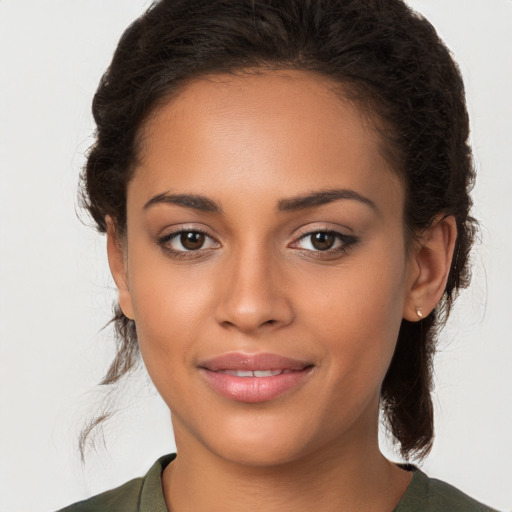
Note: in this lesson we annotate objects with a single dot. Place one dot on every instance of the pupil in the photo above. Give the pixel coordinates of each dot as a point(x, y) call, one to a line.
point(323, 241)
point(192, 240)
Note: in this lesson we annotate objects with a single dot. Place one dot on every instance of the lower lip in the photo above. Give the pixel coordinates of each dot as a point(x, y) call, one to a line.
point(254, 389)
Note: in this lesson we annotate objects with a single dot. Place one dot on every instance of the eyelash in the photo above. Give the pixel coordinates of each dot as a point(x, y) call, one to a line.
point(164, 241)
point(347, 241)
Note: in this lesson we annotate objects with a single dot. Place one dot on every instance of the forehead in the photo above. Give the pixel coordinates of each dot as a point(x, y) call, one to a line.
point(283, 131)
point(309, 103)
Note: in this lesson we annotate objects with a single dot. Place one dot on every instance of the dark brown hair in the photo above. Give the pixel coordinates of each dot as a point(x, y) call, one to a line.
point(394, 65)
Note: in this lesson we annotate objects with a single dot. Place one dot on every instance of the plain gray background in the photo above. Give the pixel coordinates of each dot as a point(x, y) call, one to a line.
point(56, 292)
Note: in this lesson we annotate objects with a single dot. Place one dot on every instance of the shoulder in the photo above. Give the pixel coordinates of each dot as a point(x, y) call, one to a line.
point(121, 499)
point(143, 494)
point(432, 495)
point(451, 498)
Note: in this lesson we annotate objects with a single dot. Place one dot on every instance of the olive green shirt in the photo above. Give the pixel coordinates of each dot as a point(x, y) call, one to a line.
point(145, 494)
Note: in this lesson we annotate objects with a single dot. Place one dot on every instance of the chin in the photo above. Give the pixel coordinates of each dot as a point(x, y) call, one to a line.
point(261, 442)
point(261, 455)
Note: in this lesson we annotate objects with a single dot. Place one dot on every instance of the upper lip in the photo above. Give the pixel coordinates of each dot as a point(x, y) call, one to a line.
point(259, 361)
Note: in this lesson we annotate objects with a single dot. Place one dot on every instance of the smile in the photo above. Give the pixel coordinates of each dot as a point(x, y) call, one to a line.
point(254, 378)
point(255, 373)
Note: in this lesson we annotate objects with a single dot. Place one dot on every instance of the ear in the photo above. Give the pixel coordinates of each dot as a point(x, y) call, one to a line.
point(430, 262)
point(118, 267)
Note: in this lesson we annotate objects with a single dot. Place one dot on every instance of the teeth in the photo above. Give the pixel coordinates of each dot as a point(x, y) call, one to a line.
point(266, 373)
point(255, 373)
point(244, 373)
point(238, 373)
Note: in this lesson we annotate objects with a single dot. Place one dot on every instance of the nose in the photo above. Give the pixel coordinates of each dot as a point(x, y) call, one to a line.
point(253, 295)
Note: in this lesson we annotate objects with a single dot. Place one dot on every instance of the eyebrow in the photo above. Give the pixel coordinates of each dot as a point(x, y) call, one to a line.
point(292, 204)
point(193, 201)
point(320, 198)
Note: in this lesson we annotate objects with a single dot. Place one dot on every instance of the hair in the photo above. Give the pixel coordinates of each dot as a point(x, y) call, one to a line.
point(392, 63)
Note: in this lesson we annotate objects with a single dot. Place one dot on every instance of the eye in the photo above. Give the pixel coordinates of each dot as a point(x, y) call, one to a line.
point(187, 241)
point(325, 241)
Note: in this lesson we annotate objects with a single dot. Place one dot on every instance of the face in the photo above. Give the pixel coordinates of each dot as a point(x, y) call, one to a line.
point(265, 266)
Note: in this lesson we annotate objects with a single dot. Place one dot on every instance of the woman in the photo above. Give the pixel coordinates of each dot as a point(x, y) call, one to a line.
point(285, 193)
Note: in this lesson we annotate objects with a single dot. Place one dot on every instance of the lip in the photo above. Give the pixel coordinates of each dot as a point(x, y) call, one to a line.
point(257, 361)
point(254, 389)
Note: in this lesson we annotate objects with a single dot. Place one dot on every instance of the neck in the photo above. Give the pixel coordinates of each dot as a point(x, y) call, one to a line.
point(342, 476)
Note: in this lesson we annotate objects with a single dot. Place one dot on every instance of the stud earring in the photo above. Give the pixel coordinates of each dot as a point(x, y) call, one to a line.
point(419, 312)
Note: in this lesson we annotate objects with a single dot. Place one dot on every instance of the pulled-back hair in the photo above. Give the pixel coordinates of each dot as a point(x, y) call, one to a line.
point(387, 58)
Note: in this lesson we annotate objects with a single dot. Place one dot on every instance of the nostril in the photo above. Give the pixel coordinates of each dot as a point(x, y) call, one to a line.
point(249, 325)
point(248, 310)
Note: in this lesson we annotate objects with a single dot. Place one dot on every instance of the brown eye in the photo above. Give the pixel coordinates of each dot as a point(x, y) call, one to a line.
point(192, 240)
point(328, 242)
point(323, 241)
point(189, 242)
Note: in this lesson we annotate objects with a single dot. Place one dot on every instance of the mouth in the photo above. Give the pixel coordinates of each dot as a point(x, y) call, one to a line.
point(256, 373)
point(254, 378)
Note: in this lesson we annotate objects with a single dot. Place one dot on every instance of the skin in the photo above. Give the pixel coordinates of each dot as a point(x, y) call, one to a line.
point(259, 284)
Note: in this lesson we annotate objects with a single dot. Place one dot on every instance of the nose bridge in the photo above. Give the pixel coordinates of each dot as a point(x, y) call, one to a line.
point(253, 295)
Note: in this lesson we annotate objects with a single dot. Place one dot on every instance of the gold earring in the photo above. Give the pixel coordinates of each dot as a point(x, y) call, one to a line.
point(419, 312)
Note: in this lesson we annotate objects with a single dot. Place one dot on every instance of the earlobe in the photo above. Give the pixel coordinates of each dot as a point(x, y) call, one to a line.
point(118, 268)
point(429, 267)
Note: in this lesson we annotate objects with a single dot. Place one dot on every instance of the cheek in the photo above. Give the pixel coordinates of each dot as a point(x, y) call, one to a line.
point(170, 307)
point(356, 316)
